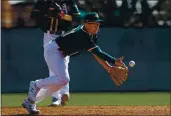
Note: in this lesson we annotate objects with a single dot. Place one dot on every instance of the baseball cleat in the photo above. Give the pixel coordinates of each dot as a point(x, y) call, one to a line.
point(55, 102)
point(31, 108)
point(64, 99)
point(33, 90)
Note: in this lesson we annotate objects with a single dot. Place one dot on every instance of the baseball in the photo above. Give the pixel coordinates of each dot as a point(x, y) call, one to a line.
point(131, 63)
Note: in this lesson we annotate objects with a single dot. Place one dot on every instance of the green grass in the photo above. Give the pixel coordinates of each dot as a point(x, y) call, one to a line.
point(128, 98)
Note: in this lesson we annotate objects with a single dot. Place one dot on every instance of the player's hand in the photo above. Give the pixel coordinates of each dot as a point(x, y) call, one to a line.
point(119, 62)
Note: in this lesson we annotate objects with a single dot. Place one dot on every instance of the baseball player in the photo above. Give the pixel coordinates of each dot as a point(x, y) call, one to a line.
point(78, 40)
point(46, 13)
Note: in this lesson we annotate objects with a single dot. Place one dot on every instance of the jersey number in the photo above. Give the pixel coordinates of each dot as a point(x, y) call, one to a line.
point(53, 22)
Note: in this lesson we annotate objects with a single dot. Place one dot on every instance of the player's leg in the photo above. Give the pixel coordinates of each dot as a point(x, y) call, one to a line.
point(56, 97)
point(65, 94)
point(56, 100)
point(57, 64)
point(65, 90)
point(42, 88)
point(61, 97)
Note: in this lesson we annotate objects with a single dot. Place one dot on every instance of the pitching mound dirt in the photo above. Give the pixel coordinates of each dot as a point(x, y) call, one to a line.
point(92, 110)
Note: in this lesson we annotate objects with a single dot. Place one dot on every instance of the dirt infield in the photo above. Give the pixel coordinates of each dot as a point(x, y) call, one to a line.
point(92, 110)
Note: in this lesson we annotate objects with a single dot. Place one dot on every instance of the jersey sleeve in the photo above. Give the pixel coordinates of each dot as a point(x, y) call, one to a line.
point(103, 55)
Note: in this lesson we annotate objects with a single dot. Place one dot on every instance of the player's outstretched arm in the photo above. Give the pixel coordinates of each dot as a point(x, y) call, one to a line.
point(103, 55)
point(106, 57)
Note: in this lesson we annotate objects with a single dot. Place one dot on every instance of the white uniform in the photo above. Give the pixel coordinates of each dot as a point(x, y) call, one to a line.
point(64, 90)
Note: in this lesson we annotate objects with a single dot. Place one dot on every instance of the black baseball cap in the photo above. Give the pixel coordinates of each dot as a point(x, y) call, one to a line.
point(92, 17)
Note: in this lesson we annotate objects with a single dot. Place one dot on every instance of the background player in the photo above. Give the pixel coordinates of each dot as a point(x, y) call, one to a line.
point(46, 13)
point(77, 40)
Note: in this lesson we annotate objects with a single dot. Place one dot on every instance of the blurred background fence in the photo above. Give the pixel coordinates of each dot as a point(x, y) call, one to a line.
point(22, 60)
point(138, 30)
point(120, 13)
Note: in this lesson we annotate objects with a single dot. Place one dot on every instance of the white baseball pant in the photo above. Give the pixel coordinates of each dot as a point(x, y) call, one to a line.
point(45, 92)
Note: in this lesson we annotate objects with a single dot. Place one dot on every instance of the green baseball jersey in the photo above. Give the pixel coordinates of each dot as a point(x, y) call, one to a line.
point(76, 41)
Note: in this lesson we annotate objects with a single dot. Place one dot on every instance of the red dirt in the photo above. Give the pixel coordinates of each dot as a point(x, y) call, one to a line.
point(92, 110)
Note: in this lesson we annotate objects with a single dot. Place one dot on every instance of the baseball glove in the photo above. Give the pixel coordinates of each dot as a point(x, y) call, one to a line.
point(118, 72)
